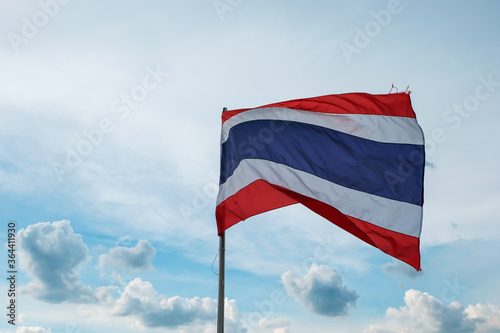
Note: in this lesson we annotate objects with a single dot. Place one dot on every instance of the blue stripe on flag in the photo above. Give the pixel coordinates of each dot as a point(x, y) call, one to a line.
point(389, 170)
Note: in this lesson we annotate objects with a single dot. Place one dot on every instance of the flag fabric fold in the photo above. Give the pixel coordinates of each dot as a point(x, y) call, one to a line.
point(356, 159)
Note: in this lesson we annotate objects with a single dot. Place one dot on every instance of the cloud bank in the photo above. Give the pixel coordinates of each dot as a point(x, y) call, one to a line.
point(140, 300)
point(424, 313)
point(52, 255)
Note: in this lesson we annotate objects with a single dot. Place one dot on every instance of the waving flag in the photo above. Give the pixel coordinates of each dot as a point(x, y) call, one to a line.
point(356, 159)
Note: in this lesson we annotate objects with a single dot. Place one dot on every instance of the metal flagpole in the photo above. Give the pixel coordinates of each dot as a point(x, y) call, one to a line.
point(222, 259)
point(220, 309)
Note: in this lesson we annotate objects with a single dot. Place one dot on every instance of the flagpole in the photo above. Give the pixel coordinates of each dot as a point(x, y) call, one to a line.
point(222, 259)
point(220, 309)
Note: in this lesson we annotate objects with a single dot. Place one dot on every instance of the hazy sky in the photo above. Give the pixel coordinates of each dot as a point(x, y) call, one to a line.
point(109, 161)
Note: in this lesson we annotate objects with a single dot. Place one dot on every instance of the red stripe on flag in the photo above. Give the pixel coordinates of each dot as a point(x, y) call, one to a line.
point(260, 197)
point(256, 198)
point(401, 246)
point(398, 245)
point(398, 104)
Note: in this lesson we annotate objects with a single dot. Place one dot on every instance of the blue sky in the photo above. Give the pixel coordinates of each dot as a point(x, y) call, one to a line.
point(109, 160)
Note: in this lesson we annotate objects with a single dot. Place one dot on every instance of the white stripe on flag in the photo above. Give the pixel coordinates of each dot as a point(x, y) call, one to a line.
point(389, 129)
point(390, 214)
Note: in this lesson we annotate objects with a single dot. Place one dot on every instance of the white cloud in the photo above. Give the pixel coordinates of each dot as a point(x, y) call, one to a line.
point(142, 303)
point(281, 330)
point(321, 290)
point(424, 313)
point(134, 258)
point(278, 324)
point(398, 267)
point(32, 329)
point(52, 253)
point(274, 322)
point(488, 317)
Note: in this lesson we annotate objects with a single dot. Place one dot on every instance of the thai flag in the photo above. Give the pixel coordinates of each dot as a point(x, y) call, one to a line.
point(356, 159)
